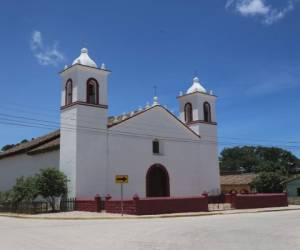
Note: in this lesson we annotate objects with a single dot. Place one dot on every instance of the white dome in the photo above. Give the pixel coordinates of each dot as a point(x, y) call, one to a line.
point(84, 59)
point(196, 87)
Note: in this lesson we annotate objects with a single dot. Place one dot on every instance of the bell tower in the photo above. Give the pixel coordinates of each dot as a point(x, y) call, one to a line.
point(197, 111)
point(83, 132)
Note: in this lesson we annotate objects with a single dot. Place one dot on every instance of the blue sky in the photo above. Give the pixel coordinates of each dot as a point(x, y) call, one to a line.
point(246, 51)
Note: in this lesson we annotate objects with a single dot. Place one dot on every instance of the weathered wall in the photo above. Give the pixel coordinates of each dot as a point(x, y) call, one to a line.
point(25, 165)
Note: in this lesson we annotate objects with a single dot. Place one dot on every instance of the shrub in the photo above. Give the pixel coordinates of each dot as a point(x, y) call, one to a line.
point(268, 182)
point(25, 189)
point(51, 184)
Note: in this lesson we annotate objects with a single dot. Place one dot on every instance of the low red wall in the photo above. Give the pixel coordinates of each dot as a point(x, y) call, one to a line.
point(88, 205)
point(244, 201)
point(114, 206)
point(164, 205)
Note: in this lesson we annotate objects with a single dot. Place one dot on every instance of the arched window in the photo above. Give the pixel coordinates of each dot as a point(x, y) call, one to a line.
point(92, 91)
point(69, 92)
point(207, 112)
point(188, 112)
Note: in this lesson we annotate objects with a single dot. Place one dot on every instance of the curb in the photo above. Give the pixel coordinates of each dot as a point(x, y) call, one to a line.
point(20, 216)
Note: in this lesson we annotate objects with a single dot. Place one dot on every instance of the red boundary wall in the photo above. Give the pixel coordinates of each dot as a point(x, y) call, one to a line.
point(245, 201)
point(163, 205)
point(88, 204)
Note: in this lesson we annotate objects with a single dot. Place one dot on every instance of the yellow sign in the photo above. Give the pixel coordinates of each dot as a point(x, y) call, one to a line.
point(121, 179)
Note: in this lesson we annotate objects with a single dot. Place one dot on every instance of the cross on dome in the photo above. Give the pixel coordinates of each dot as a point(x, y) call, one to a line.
point(196, 86)
point(84, 59)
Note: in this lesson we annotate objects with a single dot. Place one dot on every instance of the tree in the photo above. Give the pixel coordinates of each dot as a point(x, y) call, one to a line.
point(7, 147)
point(268, 182)
point(25, 189)
point(51, 184)
point(256, 159)
point(5, 196)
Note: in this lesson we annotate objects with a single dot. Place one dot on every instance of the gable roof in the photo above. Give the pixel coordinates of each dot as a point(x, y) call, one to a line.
point(26, 147)
point(237, 179)
point(51, 141)
point(113, 121)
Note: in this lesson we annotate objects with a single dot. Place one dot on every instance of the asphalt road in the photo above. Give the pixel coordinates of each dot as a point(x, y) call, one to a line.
point(263, 231)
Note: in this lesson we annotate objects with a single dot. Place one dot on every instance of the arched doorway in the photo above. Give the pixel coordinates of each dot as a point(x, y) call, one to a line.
point(157, 181)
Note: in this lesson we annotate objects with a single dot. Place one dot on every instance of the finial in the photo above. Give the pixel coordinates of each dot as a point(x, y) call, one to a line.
point(66, 66)
point(180, 93)
point(84, 50)
point(103, 66)
point(147, 105)
point(155, 101)
point(211, 92)
point(140, 108)
point(196, 79)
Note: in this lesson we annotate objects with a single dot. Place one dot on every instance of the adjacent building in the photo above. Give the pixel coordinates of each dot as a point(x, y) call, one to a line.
point(237, 183)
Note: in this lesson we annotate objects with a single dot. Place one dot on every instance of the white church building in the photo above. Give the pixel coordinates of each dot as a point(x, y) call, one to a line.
point(163, 155)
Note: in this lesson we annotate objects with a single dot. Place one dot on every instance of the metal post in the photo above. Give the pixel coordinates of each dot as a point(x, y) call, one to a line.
point(122, 209)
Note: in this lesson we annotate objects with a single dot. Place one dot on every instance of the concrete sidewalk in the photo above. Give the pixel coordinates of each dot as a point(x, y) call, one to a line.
point(78, 215)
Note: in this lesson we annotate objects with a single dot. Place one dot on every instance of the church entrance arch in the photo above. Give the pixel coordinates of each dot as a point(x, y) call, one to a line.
point(157, 181)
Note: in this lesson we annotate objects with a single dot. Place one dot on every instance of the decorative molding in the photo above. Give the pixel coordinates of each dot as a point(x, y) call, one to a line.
point(85, 66)
point(201, 121)
point(141, 112)
point(84, 104)
point(178, 97)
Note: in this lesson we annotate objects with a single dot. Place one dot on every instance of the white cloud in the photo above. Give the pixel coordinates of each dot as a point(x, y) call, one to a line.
point(46, 55)
point(268, 13)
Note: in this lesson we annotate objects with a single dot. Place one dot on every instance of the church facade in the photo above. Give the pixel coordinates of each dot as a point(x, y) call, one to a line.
point(162, 155)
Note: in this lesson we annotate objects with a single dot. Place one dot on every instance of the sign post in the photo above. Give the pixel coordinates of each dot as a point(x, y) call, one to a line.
point(122, 206)
point(121, 179)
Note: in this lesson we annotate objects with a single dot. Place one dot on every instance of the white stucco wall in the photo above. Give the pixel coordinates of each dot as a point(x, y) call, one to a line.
point(93, 159)
point(192, 164)
point(25, 165)
point(83, 149)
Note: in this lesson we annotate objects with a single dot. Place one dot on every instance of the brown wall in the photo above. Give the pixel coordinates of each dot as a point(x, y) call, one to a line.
point(238, 188)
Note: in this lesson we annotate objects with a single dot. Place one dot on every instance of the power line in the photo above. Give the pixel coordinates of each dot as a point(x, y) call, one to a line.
point(116, 132)
point(153, 127)
point(45, 124)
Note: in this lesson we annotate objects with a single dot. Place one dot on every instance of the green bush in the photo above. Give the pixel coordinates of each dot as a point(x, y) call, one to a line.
point(51, 184)
point(5, 196)
point(25, 189)
point(268, 182)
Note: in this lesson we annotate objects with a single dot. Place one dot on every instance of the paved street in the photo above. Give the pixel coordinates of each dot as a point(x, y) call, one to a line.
point(272, 230)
